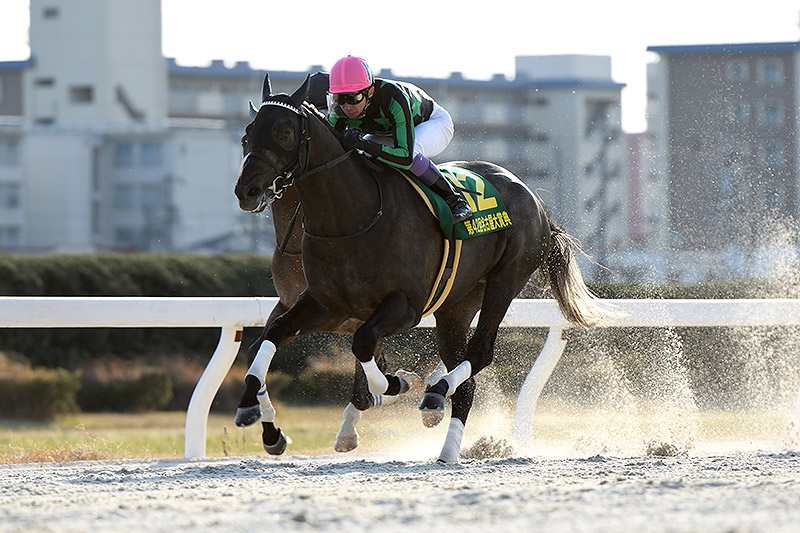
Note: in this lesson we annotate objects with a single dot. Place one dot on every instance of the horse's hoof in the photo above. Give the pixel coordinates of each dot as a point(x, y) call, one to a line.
point(432, 409)
point(405, 386)
point(247, 416)
point(408, 380)
point(346, 443)
point(279, 446)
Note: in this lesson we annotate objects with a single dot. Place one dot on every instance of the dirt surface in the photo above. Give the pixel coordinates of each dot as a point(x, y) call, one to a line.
point(738, 491)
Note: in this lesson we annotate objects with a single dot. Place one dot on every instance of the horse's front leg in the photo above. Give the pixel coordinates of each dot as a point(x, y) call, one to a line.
point(306, 316)
point(392, 315)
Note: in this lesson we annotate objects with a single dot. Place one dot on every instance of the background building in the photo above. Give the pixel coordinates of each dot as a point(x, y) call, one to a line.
point(724, 123)
point(107, 145)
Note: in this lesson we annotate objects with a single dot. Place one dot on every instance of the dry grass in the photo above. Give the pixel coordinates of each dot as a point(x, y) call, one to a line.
point(395, 428)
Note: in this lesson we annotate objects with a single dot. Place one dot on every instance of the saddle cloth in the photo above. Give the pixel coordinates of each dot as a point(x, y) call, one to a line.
point(489, 213)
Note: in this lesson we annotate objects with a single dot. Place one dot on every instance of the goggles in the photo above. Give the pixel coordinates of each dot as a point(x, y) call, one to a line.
point(349, 98)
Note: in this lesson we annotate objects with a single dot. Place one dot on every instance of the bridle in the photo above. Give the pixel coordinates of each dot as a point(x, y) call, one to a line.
point(284, 178)
point(297, 169)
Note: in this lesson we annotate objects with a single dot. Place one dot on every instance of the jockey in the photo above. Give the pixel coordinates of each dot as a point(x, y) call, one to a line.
point(403, 116)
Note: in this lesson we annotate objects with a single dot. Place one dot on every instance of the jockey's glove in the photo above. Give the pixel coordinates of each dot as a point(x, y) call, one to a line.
point(352, 140)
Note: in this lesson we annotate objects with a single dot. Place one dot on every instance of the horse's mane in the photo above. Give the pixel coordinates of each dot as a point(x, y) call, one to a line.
point(314, 111)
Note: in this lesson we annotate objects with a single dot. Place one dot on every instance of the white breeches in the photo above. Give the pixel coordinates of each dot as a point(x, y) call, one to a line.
point(432, 136)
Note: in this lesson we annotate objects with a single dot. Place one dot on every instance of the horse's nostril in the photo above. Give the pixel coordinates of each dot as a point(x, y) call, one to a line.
point(253, 191)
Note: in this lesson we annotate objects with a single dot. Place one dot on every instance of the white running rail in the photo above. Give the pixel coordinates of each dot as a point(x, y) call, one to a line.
point(231, 315)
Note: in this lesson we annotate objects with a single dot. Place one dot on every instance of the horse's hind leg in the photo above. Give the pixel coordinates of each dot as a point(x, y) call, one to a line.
point(452, 327)
point(502, 286)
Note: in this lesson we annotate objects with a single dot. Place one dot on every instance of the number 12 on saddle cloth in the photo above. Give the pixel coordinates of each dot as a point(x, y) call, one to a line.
point(489, 213)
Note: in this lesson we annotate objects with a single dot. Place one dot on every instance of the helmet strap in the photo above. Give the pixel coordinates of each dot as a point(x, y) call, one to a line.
point(369, 101)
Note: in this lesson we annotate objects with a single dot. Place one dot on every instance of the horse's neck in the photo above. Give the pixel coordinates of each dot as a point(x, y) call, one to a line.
point(340, 200)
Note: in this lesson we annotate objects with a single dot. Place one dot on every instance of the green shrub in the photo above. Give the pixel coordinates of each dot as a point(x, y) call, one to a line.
point(118, 387)
point(37, 393)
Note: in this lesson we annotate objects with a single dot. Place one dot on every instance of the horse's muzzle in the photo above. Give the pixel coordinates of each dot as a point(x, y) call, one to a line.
point(251, 199)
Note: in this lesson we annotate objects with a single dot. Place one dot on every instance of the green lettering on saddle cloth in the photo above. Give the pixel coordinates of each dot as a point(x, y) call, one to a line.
point(489, 213)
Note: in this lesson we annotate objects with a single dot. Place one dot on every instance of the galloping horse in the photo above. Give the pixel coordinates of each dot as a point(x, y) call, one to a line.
point(287, 274)
point(371, 252)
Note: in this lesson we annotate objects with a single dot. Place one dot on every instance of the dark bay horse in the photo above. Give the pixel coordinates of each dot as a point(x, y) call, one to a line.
point(287, 273)
point(371, 252)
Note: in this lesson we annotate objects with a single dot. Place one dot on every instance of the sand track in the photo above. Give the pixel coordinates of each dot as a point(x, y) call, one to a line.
point(748, 491)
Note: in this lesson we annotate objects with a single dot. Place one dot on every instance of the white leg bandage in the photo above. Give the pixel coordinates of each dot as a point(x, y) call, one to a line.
point(350, 417)
point(452, 444)
point(459, 375)
point(377, 381)
point(267, 410)
point(384, 399)
point(437, 374)
point(261, 362)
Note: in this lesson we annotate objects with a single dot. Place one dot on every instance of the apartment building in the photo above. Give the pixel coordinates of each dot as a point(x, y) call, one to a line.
point(723, 120)
point(109, 146)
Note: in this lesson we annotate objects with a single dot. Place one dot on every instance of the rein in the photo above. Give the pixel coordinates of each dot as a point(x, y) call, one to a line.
point(363, 230)
point(296, 170)
point(287, 235)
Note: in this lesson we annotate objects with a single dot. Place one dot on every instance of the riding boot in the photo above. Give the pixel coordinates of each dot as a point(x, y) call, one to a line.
point(442, 187)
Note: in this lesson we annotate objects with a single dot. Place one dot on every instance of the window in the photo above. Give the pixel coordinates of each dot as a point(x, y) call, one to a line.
point(123, 155)
point(44, 82)
point(1, 90)
point(770, 156)
point(771, 113)
point(9, 195)
point(123, 197)
point(737, 70)
point(150, 155)
point(9, 153)
point(739, 111)
point(10, 236)
point(81, 94)
point(770, 71)
point(124, 236)
point(152, 196)
point(50, 12)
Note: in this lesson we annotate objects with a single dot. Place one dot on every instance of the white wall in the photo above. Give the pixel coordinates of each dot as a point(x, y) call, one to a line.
point(58, 166)
point(101, 46)
point(204, 165)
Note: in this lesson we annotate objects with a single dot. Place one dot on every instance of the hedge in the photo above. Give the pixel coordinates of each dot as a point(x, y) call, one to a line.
point(125, 275)
point(36, 393)
point(717, 364)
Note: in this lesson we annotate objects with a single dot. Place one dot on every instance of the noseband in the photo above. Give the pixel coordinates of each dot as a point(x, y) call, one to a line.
point(297, 168)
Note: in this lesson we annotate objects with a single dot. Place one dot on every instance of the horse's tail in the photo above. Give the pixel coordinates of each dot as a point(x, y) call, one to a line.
point(563, 277)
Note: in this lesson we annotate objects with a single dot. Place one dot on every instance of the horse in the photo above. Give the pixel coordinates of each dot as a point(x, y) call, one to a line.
point(287, 274)
point(371, 253)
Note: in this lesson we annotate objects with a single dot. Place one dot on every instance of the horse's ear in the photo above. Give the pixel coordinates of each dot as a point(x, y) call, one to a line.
point(301, 93)
point(266, 90)
point(253, 110)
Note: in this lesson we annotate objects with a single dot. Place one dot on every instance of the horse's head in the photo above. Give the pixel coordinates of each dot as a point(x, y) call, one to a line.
point(275, 147)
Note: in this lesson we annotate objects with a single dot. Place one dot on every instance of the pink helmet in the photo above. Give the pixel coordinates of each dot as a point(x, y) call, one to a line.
point(350, 74)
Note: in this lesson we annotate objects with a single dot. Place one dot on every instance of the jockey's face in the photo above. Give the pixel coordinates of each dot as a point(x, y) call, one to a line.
point(353, 111)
